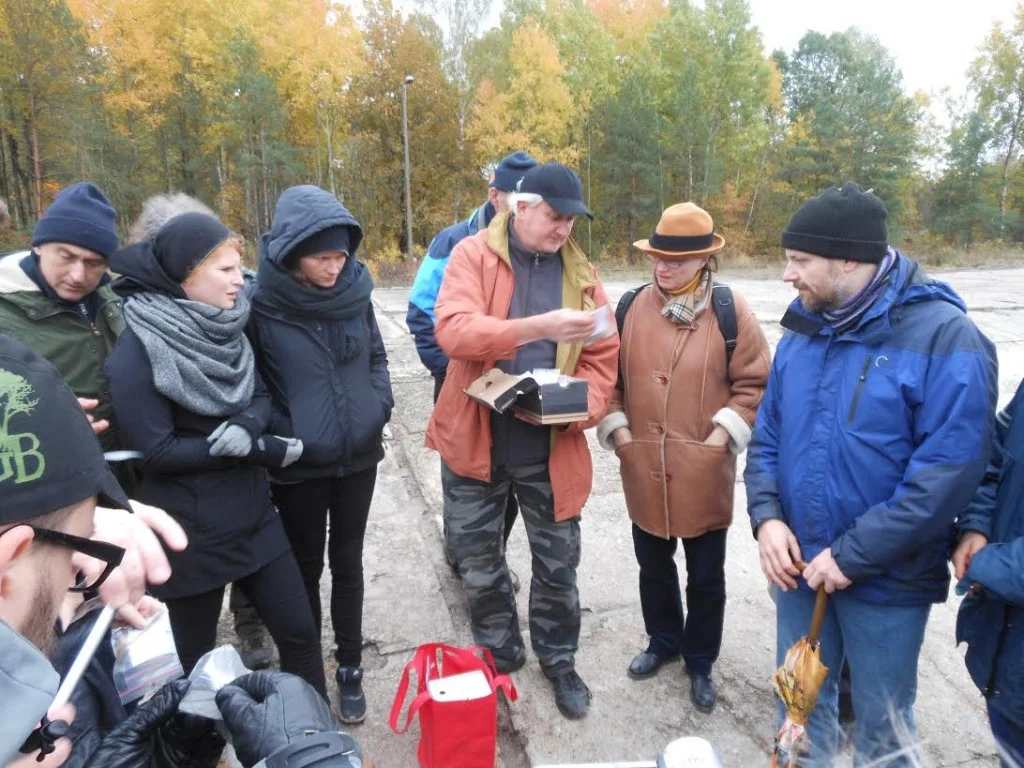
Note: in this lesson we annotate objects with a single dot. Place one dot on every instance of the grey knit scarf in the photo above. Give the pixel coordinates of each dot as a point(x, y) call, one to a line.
point(200, 355)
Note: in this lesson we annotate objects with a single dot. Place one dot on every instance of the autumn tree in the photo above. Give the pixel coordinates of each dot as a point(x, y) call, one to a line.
point(42, 59)
point(997, 76)
point(713, 82)
point(631, 171)
point(850, 117)
point(372, 154)
point(533, 111)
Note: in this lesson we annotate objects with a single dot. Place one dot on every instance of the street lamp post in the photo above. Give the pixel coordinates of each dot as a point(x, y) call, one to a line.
point(408, 173)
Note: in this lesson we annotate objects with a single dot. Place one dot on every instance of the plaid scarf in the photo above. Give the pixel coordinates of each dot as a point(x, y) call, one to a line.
point(683, 308)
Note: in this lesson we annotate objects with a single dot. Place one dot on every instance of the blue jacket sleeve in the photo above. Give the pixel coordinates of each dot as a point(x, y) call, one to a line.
point(420, 317)
point(1000, 569)
point(978, 515)
point(761, 474)
point(953, 435)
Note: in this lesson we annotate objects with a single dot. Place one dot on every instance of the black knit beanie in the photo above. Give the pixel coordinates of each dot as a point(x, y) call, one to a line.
point(80, 215)
point(185, 240)
point(334, 238)
point(846, 223)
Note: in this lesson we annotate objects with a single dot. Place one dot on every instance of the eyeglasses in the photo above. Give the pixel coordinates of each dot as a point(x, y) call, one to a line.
point(669, 263)
point(109, 554)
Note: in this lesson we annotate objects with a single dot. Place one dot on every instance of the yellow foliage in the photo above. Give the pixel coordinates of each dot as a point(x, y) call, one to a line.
point(535, 112)
point(629, 21)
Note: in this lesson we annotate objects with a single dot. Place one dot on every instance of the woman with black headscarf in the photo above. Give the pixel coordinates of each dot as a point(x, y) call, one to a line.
point(321, 353)
point(184, 382)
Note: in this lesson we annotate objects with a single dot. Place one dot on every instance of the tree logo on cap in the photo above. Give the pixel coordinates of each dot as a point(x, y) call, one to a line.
point(20, 456)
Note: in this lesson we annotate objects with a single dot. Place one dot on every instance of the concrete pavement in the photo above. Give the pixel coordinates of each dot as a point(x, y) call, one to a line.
point(412, 596)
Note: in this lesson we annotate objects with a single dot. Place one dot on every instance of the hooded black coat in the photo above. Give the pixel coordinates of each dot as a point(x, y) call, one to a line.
point(325, 367)
point(223, 503)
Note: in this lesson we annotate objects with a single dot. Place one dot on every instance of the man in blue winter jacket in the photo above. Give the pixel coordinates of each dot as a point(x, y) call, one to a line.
point(873, 436)
point(420, 317)
point(989, 562)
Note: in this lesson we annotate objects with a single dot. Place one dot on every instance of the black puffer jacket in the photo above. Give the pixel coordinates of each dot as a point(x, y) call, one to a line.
point(320, 352)
point(223, 503)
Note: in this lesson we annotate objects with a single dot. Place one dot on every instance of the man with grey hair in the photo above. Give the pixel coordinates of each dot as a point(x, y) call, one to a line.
point(420, 317)
point(517, 296)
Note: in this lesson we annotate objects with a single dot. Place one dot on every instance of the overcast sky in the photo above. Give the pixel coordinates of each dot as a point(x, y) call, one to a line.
point(933, 41)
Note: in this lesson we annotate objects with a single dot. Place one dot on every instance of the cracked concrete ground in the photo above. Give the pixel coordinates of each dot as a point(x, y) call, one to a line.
point(412, 596)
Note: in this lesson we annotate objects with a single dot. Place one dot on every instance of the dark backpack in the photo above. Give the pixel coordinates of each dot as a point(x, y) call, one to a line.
point(721, 301)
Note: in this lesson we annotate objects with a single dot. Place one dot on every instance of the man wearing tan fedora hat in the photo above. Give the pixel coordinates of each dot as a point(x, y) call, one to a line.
point(682, 410)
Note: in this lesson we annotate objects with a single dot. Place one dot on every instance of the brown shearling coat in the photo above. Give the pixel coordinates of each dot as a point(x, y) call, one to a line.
point(674, 390)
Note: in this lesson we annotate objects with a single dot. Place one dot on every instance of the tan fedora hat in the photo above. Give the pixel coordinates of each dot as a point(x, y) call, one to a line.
point(684, 231)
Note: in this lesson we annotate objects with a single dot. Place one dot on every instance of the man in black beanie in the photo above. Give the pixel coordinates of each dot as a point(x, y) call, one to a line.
point(57, 299)
point(873, 435)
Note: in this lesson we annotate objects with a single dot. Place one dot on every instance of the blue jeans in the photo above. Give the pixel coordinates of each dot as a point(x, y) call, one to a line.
point(1009, 736)
point(882, 644)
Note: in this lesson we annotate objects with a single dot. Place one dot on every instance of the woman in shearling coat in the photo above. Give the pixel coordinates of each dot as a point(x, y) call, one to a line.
point(681, 412)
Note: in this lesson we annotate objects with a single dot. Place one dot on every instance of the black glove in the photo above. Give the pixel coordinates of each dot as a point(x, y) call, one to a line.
point(267, 711)
point(156, 735)
point(276, 452)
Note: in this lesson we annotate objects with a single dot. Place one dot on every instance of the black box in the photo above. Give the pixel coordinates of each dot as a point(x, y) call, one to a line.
point(557, 399)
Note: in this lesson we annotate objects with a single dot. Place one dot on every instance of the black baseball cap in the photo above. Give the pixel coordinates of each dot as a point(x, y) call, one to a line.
point(560, 187)
point(49, 456)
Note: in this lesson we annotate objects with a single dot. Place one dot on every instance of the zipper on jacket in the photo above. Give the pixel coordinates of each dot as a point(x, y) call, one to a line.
point(859, 390)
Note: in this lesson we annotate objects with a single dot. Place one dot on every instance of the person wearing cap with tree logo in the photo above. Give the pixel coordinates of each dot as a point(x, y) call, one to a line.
point(54, 537)
point(873, 436)
point(423, 296)
point(517, 296)
point(690, 384)
point(57, 298)
point(52, 476)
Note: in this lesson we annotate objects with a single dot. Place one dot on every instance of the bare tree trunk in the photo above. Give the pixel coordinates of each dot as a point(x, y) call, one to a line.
point(37, 173)
point(265, 221)
point(250, 215)
point(5, 187)
point(319, 159)
point(661, 183)
point(330, 151)
point(757, 186)
point(689, 172)
point(1007, 159)
point(590, 188)
point(709, 154)
point(19, 209)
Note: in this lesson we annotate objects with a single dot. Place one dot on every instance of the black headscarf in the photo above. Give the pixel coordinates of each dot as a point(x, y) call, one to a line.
point(162, 263)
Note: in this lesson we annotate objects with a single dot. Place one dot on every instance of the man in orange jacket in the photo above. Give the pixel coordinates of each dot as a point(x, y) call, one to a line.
point(518, 296)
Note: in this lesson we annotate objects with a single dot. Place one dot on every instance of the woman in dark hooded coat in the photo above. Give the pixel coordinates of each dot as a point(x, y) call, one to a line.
point(321, 353)
point(183, 378)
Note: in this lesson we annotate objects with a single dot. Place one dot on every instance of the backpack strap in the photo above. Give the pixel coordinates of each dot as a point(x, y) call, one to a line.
point(623, 306)
point(725, 311)
point(620, 320)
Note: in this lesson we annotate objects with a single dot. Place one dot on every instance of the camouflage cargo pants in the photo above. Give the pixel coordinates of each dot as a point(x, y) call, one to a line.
point(476, 527)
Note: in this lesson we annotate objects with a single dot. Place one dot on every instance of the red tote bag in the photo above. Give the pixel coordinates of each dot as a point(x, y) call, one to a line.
point(453, 734)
